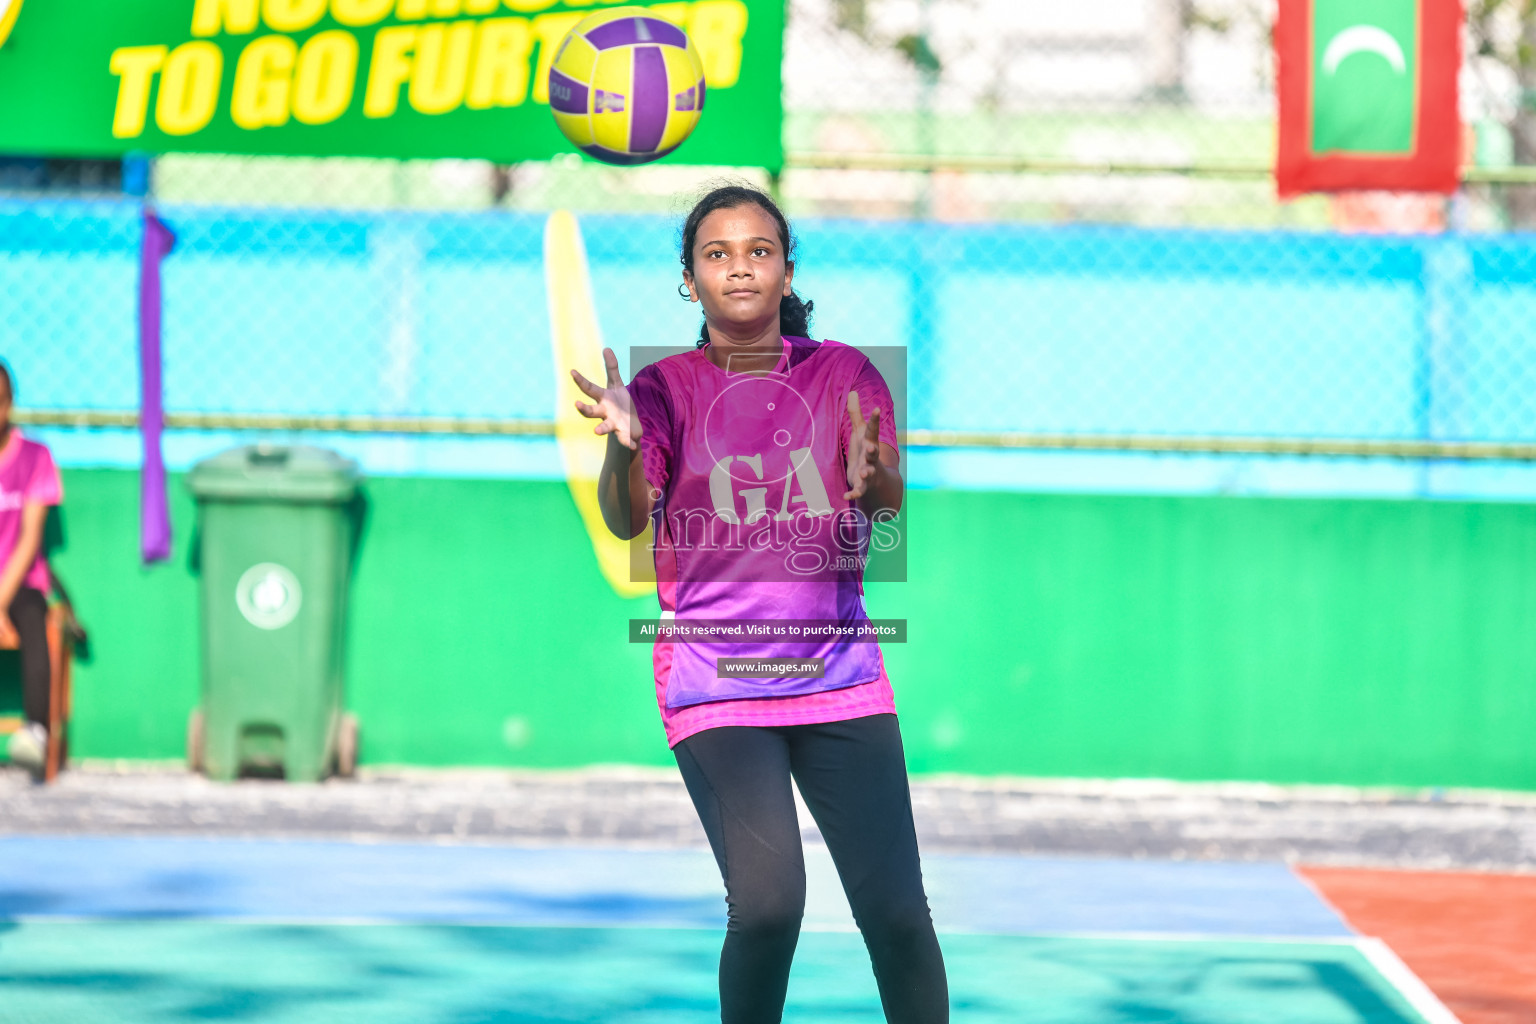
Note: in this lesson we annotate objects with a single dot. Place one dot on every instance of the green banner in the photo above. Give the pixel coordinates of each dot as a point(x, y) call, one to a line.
point(1365, 75)
point(372, 78)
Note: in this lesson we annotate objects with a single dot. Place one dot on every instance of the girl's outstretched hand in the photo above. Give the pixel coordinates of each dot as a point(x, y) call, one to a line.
point(863, 449)
point(610, 404)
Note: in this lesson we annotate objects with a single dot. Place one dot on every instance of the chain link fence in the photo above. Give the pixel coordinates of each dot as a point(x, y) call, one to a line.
point(1064, 214)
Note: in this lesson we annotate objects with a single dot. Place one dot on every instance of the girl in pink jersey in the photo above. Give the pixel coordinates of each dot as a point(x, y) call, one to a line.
point(29, 485)
point(753, 459)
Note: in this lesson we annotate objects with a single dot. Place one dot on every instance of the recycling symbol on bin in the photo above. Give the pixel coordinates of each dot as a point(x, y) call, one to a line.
point(268, 595)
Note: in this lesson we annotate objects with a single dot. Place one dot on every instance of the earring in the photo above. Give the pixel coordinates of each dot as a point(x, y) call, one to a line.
point(682, 290)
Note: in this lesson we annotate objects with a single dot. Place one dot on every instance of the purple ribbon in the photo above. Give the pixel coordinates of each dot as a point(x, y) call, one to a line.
point(154, 509)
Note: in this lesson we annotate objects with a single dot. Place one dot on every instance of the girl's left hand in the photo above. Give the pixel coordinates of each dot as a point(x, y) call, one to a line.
point(863, 449)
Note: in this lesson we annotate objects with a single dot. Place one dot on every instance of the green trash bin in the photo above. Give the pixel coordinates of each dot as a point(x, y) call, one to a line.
point(277, 532)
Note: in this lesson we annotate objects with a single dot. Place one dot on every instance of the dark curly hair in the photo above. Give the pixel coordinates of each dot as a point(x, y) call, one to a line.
point(794, 312)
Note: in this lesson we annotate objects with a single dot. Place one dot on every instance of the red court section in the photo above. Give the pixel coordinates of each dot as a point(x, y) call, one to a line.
point(1470, 937)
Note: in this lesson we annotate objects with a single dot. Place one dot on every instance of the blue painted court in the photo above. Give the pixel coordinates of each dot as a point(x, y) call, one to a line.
point(167, 929)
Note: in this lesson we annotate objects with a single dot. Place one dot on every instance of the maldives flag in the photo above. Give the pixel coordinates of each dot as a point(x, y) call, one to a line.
point(1368, 96)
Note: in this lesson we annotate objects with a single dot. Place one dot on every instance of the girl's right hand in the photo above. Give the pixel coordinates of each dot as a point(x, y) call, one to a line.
point(610, 404)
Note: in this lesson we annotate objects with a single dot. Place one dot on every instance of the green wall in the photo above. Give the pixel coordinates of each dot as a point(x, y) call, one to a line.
point(1325, 641)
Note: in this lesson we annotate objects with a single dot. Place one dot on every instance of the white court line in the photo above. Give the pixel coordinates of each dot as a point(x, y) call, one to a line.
point(531, 922)
point(1402, 978)
point(1391, 967)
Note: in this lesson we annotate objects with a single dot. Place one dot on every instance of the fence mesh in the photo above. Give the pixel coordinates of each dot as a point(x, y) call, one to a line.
point(1063, 212)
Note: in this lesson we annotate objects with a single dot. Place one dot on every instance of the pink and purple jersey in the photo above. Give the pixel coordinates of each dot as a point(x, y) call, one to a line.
point(27, 476)
point(752, 525)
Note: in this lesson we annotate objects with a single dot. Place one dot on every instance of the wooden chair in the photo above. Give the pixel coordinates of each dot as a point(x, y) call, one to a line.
point(60, 655)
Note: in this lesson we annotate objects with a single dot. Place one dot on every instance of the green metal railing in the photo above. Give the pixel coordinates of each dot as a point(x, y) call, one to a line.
point(1169, 444)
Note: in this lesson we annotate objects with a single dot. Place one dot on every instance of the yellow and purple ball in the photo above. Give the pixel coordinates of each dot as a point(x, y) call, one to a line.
point(626, 86)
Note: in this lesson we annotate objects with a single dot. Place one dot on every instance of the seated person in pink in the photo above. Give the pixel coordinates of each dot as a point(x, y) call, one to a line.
point(29, 485)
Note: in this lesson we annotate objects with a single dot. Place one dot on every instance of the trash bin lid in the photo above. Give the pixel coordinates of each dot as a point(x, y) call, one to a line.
point(273, 472)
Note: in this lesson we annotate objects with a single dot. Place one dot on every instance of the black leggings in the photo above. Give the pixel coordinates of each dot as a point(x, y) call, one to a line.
point(854, 780)
point(29, 614)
